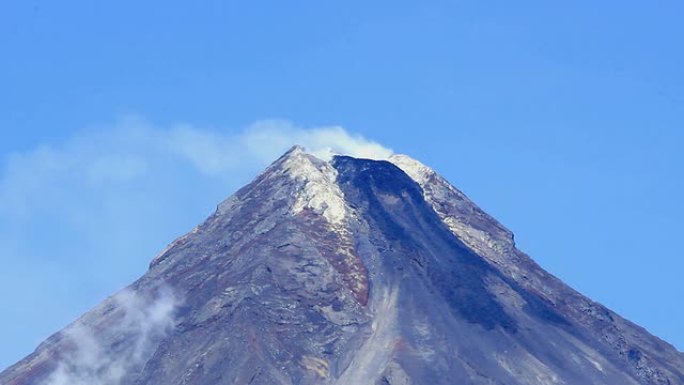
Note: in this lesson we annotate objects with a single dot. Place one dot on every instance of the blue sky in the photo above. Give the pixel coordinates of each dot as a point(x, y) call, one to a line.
point(123, 124)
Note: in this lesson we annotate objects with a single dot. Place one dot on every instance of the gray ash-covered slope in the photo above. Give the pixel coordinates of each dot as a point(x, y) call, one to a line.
point(349, 272)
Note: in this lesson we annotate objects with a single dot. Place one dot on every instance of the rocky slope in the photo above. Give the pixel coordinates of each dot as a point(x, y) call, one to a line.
point(348, 272)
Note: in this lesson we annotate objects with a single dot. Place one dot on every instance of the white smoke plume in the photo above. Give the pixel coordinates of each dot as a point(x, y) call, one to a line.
point(133, 150)
point(92, 358)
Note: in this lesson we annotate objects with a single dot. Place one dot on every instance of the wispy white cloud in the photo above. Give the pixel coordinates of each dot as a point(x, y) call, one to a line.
point(90, 357)
point(214, 152)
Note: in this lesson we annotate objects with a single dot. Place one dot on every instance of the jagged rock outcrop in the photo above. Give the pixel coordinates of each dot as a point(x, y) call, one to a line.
point(348, 272)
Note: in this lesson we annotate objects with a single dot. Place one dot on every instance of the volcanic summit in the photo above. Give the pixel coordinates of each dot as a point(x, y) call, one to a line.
point(348, 272)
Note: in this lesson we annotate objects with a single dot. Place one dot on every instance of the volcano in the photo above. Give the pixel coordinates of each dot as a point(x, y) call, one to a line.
point(348, 272)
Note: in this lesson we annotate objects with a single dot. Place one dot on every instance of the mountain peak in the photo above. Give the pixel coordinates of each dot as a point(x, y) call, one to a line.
point(296, 148)
point(295, 157)
point(347, 272)
point(307, 182)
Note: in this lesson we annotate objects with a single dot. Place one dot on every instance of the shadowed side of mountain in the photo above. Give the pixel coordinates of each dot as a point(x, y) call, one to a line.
point(482, 316)
point(652, 360)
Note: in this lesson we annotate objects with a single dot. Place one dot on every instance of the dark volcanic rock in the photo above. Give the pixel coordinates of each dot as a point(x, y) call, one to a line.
point(348, 272)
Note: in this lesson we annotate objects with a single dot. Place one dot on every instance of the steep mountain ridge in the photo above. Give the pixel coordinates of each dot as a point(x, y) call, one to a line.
point(352, 271)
